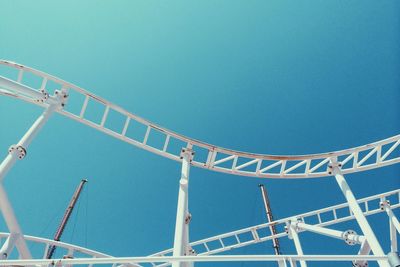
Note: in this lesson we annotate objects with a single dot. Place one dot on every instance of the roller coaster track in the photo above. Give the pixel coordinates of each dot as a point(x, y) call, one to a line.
point(329, 216)
point(370, 156)
point(75, 103)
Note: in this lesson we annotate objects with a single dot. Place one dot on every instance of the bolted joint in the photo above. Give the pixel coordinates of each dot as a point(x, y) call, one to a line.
point(18, 151)
point(383, 204)
point(394, 259)
point(187, 152)
point(286, 229)
point(191, 252)
point(333, 166)
point(188, 218)
point(360, 264)
point(61, 96)
point(44, 98)
point(292, 223)
point(349, 241)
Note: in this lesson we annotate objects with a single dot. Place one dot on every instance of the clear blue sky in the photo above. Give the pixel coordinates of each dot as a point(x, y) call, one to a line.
point(276, 77)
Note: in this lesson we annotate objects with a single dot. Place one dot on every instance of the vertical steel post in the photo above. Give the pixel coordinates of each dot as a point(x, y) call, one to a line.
point(393, 224)
point(358, 214)
point(181, 239)
point(294, 235)
point(13, 225)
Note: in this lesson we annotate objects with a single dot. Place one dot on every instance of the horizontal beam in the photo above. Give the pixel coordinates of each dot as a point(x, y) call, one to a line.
point(344, 235)
point(223, 258)
point(312, 215)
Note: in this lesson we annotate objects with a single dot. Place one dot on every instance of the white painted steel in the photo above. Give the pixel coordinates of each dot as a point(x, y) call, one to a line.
point(61, 245)
point(359, 216)
point(25, 141)
point(170, 259)
point(181, 240)
point(8, 245)
point(15, 152)
point(12, 224)
point(293, 235)
point(329, 232)
point(219, 159)
point(235, 234)
point(394, 226)
point(356, 159)
point(344, 216)
point(364, 250)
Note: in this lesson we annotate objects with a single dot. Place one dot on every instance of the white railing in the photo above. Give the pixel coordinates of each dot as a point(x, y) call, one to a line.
point(219, 159)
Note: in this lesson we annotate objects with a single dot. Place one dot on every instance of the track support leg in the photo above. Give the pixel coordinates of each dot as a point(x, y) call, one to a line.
point(181, 240)
point(15, 152)
point(334, 168)
point(292, 231)
point(393, 224)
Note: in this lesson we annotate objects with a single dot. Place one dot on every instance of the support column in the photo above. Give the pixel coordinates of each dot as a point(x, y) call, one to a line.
point(334, 168)
point(393, 224)
point(294, 235)
point(18, 151)
point(8, 246)
point(181, 240)
point(13, 225)
point(15, 152)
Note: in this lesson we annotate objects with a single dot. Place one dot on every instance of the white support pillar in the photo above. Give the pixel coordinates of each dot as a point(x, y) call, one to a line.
point(181, 240)
point(15, 152)
point(8, 246)
point(364, 250)
point(13, 225)
point(294, 235)
point(393, 224)
point(349, 236)
point(18, 151)
point(334, 168)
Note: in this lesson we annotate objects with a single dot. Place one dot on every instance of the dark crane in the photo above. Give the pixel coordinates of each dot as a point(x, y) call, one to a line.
point(270, 218)
point(65, 219)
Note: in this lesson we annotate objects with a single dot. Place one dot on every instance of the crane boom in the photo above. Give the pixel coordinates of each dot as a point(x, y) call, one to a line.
point(270, 218)
point(66, 217)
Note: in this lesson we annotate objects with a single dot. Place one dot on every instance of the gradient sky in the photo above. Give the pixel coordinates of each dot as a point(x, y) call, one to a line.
point(275, 77)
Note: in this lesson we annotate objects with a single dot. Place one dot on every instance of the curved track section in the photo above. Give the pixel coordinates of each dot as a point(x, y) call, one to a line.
point(80, 101)
point(240, 238)
point(260, 233)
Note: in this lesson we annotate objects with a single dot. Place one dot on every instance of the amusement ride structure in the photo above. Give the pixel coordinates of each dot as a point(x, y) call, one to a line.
point(185, 252)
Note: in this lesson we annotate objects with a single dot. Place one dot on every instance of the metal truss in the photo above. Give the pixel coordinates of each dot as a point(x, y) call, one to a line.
point(219, 159)
point(185, 253)
point(259, 233)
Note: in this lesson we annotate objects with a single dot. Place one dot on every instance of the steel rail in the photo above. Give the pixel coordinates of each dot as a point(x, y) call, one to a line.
point(258, 233)
point(220, 258)
point(361, 158)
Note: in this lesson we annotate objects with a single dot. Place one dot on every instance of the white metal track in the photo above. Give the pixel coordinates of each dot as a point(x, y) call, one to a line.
point(240, 238)
point(219, 159)
point(260, 233)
